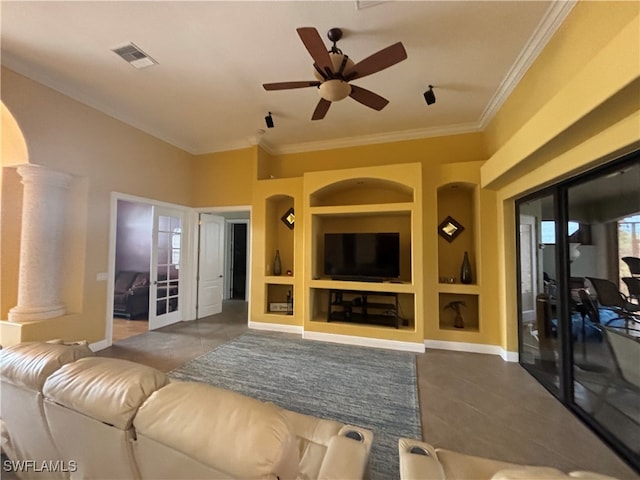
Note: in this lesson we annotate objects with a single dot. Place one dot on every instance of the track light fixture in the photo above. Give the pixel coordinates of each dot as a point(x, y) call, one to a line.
point(269, 120)
point(429, 96)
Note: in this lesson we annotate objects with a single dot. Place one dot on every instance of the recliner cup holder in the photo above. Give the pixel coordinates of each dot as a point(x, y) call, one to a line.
point(353, 435)
point(419, 451)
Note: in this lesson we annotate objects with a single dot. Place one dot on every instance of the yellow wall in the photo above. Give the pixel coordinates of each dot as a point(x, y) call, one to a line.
point(11, 216)
point(430, 151)
point(588, 29)
point(14, 148)
point(103, 155)
point(587, 114)
point(224, 178)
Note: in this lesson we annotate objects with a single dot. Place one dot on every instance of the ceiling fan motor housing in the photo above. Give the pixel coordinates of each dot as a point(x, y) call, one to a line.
point(336, 60)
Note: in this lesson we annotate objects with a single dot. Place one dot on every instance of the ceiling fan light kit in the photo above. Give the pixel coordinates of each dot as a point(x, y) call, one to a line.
point(334, 90)
point(334, 70)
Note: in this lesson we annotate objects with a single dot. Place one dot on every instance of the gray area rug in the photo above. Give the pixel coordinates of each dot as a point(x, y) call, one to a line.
point(368, 387)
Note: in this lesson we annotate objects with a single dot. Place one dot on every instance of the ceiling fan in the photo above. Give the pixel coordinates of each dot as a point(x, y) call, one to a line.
point(334, 70)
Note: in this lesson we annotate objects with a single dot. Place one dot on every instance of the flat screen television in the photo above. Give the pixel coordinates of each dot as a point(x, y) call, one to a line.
point(362, 256)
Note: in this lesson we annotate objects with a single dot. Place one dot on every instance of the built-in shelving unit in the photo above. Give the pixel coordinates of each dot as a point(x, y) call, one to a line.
point(459, 201)
point(270, 292)
point(376, 199)
point(371, 200)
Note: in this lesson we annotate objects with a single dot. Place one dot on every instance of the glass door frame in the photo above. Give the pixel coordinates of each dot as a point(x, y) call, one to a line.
point(565, 373)
point(565, 393)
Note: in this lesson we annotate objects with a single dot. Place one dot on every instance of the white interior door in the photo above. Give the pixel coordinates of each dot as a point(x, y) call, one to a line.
point(166, 260)
point(210, 265)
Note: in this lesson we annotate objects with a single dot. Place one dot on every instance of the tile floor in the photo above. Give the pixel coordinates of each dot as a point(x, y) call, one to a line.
point(476, 404)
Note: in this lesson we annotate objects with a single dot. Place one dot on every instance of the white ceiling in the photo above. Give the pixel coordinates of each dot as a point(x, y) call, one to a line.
point(205, 94)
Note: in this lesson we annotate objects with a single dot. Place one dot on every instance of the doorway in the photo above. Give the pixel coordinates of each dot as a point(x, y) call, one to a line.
point(238, 254)
point(134, 223)
point(234, 258)
point(150, 274)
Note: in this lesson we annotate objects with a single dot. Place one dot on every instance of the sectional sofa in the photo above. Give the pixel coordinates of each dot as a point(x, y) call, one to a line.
point(66, 413)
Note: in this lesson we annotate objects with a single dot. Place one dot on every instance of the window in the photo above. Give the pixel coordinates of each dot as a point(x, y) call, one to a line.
point(629, 236)
point(548, 230)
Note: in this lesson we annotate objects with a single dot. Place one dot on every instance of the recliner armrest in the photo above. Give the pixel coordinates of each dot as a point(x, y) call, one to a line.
point(419, 460)
point(347, 454)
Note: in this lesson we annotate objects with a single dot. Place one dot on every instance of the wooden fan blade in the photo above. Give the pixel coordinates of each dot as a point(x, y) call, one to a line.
point(368, 98)
point(321, 109)
point(316, 48)
point(385, 58)
point(289, 85)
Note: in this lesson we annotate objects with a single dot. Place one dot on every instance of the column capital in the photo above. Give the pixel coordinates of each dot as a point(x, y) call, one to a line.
point(36, 174)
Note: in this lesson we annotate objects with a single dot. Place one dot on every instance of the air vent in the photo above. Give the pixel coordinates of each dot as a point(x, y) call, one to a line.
point(134, 56)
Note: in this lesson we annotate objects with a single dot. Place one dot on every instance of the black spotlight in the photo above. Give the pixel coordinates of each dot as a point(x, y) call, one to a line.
point(429, 96)
point(269, 120)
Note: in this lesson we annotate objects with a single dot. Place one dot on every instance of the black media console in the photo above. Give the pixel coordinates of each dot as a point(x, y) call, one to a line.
point(355, 306)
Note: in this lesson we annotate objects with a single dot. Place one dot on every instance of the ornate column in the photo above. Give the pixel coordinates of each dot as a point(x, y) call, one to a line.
point(41, 244)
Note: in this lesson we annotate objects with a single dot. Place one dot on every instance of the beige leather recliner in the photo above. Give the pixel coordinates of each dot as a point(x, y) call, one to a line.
point(421, 461)
point(224, 435)
point(90, 405)
point(25, 368)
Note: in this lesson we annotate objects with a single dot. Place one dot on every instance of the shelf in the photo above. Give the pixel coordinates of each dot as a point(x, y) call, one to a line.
point(369, 319)
point(279, 280)
point(459, 288)
point(277, 293)
point(392, 287)
point(356, 307)
point(470, 311)
point(278, 314)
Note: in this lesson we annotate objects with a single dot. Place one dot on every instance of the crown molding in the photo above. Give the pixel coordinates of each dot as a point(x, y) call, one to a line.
point(387, 137)
point(553, 18)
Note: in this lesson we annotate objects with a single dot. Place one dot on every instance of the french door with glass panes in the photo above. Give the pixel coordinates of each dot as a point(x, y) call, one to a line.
point(166, 258)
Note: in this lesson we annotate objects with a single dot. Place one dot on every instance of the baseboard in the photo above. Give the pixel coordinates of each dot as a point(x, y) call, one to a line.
point(101, 345)
point(365, 341)
point(276, 327)
point(473, 348)
point(509, 356)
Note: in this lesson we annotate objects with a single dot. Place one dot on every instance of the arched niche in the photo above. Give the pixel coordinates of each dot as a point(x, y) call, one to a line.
point(278, 235)
point(361, 191)
point(458, 201)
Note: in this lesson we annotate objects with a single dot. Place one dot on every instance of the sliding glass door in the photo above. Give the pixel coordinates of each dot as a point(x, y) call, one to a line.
point(539, 335)
point(579, 329)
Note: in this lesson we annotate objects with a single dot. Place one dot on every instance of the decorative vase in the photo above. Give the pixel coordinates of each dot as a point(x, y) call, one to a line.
point(459, 320)
point(277, 264)
point(465, 269)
